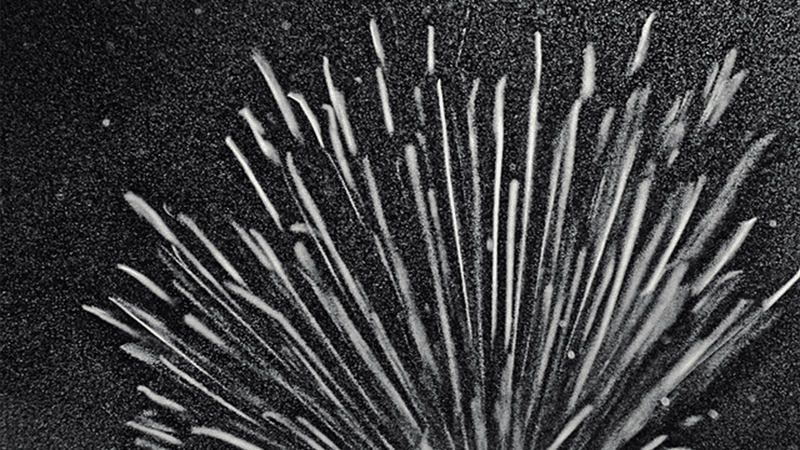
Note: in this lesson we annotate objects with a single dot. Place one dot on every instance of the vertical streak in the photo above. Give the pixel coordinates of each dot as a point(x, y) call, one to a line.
point(384, 93)
point(511, 228)
point(498, 175)
point(533, 128)
point(644, 43)
point(431, 57)
point(453, 213)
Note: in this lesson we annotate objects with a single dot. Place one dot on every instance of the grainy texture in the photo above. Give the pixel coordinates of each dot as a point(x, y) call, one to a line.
point(170, 80)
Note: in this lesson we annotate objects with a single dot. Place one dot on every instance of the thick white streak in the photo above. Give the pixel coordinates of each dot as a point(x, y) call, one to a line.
point(587, 83)
point(258, 133)
point(644, 43)
point(225, 437)
point(498, 175)
point(376, 41)
point(199, 327)
point(273, 213)
point(511, 231)
point(106, 317)
point(160, 400)
point(280, 97)
point(312, 118)
point(431, 56)
point(158, 434)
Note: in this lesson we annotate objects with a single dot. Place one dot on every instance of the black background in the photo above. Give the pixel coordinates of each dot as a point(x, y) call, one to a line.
point(170, 77)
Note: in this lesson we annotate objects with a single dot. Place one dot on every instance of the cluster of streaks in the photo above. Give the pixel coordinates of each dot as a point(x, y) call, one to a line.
point(443, 315)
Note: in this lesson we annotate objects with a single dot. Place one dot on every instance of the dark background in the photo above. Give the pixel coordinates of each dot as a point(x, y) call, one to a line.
point(170, 77)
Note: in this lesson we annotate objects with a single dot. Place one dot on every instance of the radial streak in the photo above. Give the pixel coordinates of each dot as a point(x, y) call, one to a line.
point(273, 213)
point(533, 129)
point(312, 118)
point(498, 175)
point(280, 97)
point(448, 166)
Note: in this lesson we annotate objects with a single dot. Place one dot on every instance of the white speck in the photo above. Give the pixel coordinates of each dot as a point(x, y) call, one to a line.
point(198, 11)
point(106, 122)
point(772, 223)
point(286, 25)
point(571, 354)
point(713, 414)
point(664, 401)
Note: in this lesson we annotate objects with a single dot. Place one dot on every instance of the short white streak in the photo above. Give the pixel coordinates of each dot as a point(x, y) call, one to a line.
point(199, 327)
point(644, 43)
point(225, 437)
point(147, 282)
point(431, 57)
point(106, 317)
point(388, 121)
point(376, 41)
point(777, 295)
point(158, 434)
point(142, 354)
point(160, 399)
point(655, 443)
point(587, 83)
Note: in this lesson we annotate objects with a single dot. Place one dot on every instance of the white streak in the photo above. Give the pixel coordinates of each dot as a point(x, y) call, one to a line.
point(312, 118)
point(258, 133)
point(273, 213)
point(431, 58)
point(277, 92)
point(644, 43)
point(160, 399)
